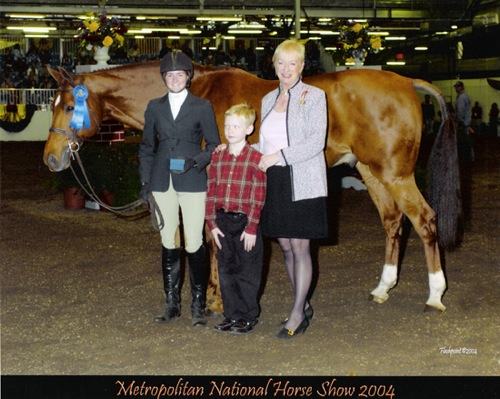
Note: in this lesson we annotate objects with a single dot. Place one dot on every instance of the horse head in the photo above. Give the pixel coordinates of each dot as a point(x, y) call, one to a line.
point(64, 139)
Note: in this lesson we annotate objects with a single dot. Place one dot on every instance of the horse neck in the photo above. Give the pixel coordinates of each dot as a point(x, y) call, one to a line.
point(123, 91)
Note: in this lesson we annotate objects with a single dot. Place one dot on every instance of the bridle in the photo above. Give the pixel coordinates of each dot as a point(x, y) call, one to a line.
point(74, 145)
point(74, 142)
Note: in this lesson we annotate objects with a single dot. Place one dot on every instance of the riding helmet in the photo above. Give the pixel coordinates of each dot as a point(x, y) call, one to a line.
point(176, 61)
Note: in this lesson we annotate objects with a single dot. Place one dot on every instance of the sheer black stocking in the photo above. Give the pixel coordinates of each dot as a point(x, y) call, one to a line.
point(298, 264)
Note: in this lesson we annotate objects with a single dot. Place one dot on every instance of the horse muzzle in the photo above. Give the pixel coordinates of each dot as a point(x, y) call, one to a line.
point(56, 165)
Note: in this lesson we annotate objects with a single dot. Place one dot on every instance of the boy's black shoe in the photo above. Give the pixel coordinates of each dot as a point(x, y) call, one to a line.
point(225, 325)
point(242, 327)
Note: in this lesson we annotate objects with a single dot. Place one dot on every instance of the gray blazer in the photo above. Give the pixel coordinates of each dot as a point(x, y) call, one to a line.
point(165, 138)
point(306, 125)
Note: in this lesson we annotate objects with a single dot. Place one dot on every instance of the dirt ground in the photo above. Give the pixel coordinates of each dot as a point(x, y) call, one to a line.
point(79, 290)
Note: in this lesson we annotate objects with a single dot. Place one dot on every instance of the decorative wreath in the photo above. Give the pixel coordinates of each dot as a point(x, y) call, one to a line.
point(14, 118)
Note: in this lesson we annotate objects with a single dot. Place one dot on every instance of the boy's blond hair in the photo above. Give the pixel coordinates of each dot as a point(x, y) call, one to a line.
point(290, 46)
point(244, 111)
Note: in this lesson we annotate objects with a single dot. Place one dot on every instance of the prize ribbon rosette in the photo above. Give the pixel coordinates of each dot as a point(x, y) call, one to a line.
point(81, 118)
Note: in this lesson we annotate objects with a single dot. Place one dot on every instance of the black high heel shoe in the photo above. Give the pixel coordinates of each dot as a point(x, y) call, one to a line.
point(309, 313)
point(285, 333)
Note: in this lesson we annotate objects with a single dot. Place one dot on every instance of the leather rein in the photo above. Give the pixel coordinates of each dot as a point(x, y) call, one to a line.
point(74, 145)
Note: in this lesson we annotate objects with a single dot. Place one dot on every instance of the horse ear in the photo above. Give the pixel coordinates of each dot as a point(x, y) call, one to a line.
point(60, 75)
point(56, 74)
point(67, 76)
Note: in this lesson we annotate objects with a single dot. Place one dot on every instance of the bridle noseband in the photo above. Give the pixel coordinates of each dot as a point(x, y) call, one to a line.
point(74, 142)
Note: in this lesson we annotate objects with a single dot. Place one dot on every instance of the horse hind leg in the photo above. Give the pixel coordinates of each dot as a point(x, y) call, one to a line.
point(391, 218)
point(423, 218)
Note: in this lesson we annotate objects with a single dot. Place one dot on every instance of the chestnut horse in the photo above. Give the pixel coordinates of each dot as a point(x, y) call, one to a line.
point(374, 117)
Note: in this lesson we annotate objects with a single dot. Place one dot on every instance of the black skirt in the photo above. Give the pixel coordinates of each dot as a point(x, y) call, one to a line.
point(283, 218)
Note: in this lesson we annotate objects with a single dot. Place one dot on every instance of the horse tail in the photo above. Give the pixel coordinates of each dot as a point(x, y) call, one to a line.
point(443, 174)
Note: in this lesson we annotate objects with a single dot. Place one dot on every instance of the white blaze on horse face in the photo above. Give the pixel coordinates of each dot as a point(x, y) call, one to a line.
point(57, 100)
point(437, 285)
point(387, 281)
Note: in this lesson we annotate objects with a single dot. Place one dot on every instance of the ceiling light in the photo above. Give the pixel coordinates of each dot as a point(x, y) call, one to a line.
point(144, 17)
point(138, 37)
point(243, 31)
point(143, 30)
point(228, 19)
point(247, 25)
point(360, 20)
point(421, 48)
point(180, 30)
point(442, 33)
point(278, 19)
point(193, 32)
point(273, 33)
point(36, 35)
point(30, 16)
point(258, 48)
point(314, 38)
point(32, 29)
point(454, 27)
point(381, 33)
point(331, 48)
point(324, 19)
point(229, 37)
point(395, 63)
point(395, 28)
point(395, 38)
point(349, 63)
point(320, 32)
point(173, 37)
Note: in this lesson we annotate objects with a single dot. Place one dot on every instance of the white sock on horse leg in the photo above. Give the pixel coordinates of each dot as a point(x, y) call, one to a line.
point(387, 281)
point(437, 285)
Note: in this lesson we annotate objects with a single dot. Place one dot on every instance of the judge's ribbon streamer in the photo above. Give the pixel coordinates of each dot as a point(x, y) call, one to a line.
point(81, 118)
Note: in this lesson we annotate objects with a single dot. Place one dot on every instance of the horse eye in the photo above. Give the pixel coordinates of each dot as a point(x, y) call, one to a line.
point(69, 108)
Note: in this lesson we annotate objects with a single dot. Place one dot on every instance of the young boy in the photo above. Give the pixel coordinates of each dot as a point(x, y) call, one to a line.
point(235, 197)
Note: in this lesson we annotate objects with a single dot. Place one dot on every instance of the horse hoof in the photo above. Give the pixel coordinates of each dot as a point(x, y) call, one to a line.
point(378, 299)
point(440, 308)
point(215, 307)
point(211, 314)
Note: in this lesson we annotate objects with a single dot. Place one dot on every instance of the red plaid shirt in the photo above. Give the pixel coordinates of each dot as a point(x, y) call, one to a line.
point(236, 184)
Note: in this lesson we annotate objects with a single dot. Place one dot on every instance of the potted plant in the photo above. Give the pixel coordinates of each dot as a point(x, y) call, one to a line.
point(112, 169)
point(356, 43)
point(100, 33)
point(73, 195)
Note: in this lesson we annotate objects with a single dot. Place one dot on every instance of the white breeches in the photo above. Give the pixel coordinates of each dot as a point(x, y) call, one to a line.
point(192, 206)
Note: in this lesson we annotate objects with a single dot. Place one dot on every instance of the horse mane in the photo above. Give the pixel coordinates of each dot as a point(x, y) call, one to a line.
point(199, 69)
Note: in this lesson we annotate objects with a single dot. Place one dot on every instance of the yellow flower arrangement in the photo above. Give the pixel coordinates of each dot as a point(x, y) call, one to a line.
point(102, 31)
point(355, 43)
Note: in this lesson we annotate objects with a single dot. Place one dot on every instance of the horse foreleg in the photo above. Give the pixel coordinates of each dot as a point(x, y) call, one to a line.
point(423, 218)
point(391, 218)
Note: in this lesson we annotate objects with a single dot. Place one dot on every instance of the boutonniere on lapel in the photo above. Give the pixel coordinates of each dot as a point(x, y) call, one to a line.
point(303, 95)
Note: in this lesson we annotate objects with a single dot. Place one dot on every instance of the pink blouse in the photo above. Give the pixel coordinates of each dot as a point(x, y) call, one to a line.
point(273, 132)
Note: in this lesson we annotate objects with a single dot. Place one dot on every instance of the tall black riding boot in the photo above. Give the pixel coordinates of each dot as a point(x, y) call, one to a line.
point(198, 275)
point(171, 267)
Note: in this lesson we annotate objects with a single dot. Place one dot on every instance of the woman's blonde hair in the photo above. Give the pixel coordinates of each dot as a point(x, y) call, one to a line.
point(244, 111)
point(290, 46)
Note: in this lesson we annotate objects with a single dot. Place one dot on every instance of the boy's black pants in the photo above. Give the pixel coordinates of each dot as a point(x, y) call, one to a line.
point(239, 271)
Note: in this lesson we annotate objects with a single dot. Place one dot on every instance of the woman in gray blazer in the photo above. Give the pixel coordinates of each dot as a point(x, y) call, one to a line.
point(292, 139)
point(172, 168)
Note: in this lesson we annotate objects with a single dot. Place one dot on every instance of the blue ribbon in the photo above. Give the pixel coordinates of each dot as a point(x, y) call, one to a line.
point(81, 118)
